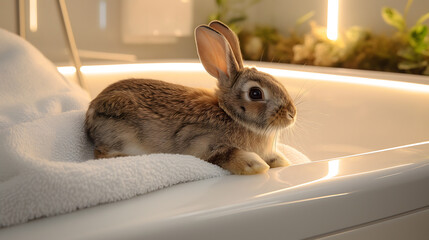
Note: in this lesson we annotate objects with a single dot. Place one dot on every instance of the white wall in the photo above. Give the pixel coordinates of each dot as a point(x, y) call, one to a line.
point(280, 13)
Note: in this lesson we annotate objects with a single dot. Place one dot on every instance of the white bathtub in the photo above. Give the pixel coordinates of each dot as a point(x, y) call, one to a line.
point(367, 133)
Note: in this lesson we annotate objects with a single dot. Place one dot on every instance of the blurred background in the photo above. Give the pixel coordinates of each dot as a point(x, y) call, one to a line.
point(270, 30)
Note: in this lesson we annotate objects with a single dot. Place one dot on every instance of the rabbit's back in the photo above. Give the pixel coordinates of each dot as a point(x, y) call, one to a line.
point(138, 116)
point(146, 98)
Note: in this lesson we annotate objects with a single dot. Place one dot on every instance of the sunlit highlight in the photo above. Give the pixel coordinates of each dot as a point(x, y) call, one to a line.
point(387, 149)
point(197, 67)
point(332, 27)
point(145, 67)
point(347, 79)
point(33, 15)
point(313, 199)
point(66, 70)
point(333, 169)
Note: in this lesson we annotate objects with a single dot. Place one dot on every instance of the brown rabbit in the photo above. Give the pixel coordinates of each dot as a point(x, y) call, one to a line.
point(235, 127)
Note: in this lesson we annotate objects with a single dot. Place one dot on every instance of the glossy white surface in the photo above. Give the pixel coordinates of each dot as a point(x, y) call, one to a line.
point(297, 202)
point(410, 226)
point(301, 201)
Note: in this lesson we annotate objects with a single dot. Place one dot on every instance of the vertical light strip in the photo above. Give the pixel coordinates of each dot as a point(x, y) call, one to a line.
point(102, 14)
point(33, 15)
point(332, 28)
point(333, 169)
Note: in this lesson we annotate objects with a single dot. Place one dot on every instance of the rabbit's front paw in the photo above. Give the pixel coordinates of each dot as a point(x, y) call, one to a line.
point(238, 161)
point(277, 160)
point(246, 163)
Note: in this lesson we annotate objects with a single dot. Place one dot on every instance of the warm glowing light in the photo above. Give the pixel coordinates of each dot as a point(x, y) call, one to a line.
point(333, 169)
point(347, 79)
point(388, 149)
point(33, 15)
point(313, 199)
point(197, 67)
point(332, 28)
point(66, 70)
point(143, 67)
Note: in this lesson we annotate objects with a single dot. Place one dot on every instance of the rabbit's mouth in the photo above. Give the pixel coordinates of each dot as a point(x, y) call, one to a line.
point(284, 117)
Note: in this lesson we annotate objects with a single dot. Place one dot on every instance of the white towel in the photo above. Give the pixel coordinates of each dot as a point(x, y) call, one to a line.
point(46, 165)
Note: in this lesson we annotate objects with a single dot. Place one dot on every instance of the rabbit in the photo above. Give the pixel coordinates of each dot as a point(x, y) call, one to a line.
point(234, 127)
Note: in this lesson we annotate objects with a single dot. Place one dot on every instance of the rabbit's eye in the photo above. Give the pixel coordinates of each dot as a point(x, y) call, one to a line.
point(256, 93)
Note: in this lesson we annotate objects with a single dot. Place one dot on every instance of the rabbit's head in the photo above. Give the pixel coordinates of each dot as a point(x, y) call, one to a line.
point(252, 98)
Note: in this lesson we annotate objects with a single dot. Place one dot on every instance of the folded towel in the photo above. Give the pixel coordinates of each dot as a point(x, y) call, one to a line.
point(46, 165)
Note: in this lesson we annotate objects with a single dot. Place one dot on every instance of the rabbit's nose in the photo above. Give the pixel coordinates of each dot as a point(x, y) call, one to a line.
point(291, 109)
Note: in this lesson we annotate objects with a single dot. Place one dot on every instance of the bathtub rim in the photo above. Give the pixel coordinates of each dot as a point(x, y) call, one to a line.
point(359, 197)
point(392, 76)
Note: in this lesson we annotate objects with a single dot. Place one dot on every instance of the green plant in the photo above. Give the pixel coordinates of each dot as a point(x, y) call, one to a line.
point(358, 48)
point(265, 43)
point(232, 12)
point(414, 53)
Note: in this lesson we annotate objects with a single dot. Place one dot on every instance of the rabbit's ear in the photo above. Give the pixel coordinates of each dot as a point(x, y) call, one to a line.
point(231, 37)
point(215, 54)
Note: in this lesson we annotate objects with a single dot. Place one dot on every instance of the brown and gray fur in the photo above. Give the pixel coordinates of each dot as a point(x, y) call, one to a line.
point(225, 127)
